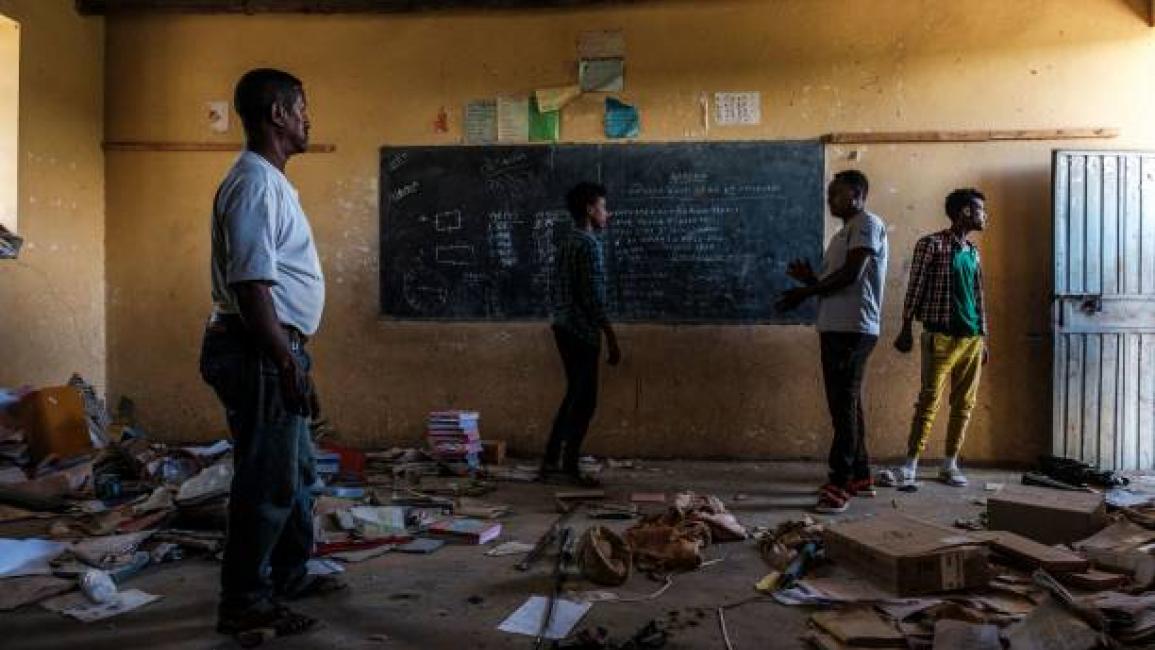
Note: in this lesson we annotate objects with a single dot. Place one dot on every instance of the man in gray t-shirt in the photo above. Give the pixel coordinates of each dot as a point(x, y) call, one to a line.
point(268, 295)
point(849, 289)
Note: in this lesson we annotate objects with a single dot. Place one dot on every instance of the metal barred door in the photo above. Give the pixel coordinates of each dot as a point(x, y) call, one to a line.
point(1104, 308)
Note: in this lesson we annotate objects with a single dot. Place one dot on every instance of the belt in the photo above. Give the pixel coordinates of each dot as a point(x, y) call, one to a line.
point(233, 324)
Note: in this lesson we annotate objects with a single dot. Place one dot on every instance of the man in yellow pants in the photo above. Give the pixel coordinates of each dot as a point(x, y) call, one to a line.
point(945, 294)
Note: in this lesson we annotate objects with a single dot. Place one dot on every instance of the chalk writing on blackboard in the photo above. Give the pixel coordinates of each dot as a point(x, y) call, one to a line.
point(702, 232)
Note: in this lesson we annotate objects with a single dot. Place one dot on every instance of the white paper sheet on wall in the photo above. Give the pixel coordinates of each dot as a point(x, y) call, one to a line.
point(512, 119)
point(481, 122)
point(737, 109)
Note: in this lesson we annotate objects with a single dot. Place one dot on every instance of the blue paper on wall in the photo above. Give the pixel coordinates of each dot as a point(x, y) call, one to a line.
point(621, 119)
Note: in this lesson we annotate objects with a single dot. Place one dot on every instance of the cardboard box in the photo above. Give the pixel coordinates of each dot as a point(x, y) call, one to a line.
point(908, 556)
point(54, 423)
point(493, 452)
point(1046, 515)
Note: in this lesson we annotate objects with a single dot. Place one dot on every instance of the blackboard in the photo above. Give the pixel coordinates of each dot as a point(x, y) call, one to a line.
point(700, 232)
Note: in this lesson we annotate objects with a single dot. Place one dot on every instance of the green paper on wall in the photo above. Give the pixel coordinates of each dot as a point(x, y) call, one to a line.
point(544, 126)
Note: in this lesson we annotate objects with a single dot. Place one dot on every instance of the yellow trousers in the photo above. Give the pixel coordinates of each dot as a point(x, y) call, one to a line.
point(961, 359)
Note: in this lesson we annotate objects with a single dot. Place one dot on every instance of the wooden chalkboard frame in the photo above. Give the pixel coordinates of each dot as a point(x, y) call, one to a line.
point(415, 216)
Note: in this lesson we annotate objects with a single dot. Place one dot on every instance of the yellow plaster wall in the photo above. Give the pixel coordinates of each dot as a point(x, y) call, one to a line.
point(736, 391)
point(52, 316)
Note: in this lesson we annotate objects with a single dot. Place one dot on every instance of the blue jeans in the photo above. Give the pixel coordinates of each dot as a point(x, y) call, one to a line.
point(270, 528)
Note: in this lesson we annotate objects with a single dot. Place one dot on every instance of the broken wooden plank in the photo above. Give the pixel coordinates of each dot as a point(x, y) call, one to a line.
point(860, 626)
point(1093, 580)
point(883, 137)
point(132, 145)
point(1034, 554)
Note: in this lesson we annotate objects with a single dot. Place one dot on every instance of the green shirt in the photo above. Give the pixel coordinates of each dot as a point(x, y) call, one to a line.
point(965, 319)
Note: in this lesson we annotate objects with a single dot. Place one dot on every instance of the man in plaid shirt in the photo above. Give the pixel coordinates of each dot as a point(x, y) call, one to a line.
point(578, 319)
point(946, 295)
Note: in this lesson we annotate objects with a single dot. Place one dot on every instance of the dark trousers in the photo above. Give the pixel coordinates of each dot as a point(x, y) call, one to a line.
point(844, 357)
point(270, 528)
point(581, 399)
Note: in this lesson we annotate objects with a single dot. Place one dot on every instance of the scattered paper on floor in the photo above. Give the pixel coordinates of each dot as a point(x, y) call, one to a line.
point(27, 557)
point(82, 609)
point(509, 548)
point(529, 617)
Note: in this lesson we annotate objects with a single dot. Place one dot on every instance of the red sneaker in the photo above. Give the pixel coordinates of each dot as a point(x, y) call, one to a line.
point(863, 487)
point(832, 500)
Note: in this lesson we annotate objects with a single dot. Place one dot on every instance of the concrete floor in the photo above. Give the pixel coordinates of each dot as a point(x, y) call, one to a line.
point(426, 602)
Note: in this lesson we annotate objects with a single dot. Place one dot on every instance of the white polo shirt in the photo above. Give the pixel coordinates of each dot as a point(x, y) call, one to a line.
point(260, 232)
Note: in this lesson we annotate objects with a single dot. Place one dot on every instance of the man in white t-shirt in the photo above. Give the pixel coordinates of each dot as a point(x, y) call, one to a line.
point(268, 295)
point(849, 291)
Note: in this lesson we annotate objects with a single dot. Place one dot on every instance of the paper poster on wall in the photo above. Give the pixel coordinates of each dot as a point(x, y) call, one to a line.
point(512, 119)
point(555, 99)
point(602, 75)
point(738, 109)
point(544, 126)
point(621, 119)
point(604, 44)
point(481, 121)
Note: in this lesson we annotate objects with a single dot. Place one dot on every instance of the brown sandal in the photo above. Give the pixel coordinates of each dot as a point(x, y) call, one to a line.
point(279, 620)
point(314, 585)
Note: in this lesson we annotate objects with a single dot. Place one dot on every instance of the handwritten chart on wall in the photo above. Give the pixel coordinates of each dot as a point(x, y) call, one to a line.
point(700, 232)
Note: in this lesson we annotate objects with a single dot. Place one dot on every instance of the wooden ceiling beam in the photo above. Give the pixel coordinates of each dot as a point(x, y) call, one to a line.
point(105, 7)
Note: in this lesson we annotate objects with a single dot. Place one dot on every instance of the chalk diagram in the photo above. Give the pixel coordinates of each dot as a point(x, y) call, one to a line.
point(424, 291)
point(454, 254)
point(448, 221)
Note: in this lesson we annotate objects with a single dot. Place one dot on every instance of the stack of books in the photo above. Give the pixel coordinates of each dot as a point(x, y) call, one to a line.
point(465, 530)
point(454, 438)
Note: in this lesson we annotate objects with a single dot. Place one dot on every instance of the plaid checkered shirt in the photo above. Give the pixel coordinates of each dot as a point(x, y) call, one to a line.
point(929, 297)
point(578, 287)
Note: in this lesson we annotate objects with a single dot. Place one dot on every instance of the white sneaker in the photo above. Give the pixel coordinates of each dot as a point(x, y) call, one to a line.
point(906, 476)
point(886, 478)
point(952, 476)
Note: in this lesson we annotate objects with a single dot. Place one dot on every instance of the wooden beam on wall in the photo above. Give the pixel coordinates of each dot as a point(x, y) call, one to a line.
point(877, 137)
point(103, 7)
point(136, 145)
